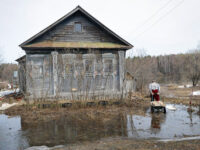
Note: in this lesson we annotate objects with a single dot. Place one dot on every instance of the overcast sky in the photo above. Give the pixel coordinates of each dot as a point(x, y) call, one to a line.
point(157, 26)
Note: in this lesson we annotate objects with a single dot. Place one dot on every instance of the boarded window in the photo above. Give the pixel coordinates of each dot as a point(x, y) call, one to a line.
point(98, 82)
point(68, 68)
point(108, 66)
point(37, 67)
point(88, 66)
point(77, 27)
point(79, 68)
point(37, 71)
point(98, 68)
point(98, 65)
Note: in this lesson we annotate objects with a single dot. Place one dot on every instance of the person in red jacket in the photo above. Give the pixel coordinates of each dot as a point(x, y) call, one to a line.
point(154, 89)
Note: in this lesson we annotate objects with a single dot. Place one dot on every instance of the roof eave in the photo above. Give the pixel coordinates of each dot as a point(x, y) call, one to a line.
point(21, 58)
point(50, 48)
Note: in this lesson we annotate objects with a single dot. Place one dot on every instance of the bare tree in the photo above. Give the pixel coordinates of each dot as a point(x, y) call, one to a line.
point(192, 65)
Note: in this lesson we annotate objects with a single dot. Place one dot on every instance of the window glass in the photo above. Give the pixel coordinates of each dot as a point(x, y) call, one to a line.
point(77, 27)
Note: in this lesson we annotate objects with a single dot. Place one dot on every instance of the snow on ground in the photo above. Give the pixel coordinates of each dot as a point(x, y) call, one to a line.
point(170, 107)
point(7, 92)
point(184, 86)
point(188, 85)
point(196, 93)
point(181, 86)
point(181, 139)
point(5, 106)
point(44, 147)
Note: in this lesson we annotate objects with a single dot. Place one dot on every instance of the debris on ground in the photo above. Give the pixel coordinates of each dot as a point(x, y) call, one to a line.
point(16, 95)
point(136, 96)
point(11, 94)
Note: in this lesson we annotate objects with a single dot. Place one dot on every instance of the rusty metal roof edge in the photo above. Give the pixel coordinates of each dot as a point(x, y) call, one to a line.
point(68, 15)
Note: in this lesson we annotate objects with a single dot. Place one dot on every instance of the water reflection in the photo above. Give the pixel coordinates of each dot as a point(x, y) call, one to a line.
point(11, 136)
point(158, 125)
point(72, 129)
point(15, 134)
point(157, 119)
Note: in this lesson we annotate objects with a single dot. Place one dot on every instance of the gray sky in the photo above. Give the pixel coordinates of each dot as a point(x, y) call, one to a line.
point(158, 26)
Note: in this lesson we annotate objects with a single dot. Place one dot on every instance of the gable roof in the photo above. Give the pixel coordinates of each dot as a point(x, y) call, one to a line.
point(78, 8)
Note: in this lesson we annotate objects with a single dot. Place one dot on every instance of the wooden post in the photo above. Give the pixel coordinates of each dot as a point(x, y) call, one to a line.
point(55, 73)
point(121, 69)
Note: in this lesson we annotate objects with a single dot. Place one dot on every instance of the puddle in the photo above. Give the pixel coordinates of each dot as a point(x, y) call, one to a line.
point(14, 134)
point(11, 136)
point(175, 124)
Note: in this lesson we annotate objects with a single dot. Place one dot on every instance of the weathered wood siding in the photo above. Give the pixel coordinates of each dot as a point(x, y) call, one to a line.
point(64, 74)
point(39, 75)
point(22, 76)
point(65, 32)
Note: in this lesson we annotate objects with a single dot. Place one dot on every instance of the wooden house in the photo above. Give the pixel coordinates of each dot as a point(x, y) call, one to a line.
point(74, 58)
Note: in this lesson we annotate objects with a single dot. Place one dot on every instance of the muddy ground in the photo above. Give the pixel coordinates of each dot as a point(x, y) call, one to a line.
point(33, 114)
point(133, 144)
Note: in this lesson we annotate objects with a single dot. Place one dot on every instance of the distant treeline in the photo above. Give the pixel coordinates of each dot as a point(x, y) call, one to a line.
point(165, 69)
point(6, 72)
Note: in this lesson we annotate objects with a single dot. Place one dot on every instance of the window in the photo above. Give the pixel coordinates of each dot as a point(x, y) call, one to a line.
point(37, 71)
point(88, 66)
point(68, 68)
point(108, 66)
point(77, 27)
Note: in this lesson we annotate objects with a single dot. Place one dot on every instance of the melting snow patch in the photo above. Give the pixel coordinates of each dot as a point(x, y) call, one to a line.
point(184, 86)
point(4, 93)
point(44, 147)
point(181, 139)
point(38, 148)
point(188, 86)
point(170, 107)
point(6, 106)
point(196, 93)
point(181, 86)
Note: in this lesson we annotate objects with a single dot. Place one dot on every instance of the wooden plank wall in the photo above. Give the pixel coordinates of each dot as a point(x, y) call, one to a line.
point(65, 32)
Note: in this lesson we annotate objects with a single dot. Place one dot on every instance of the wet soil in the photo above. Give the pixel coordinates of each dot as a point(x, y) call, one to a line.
point(126, 126)
point(123, 126)
point(173, 94)
point(33, 115)
point(133, 144)
point(193, 101)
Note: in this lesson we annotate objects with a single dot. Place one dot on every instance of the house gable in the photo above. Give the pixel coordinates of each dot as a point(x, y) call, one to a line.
point(61, 34)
